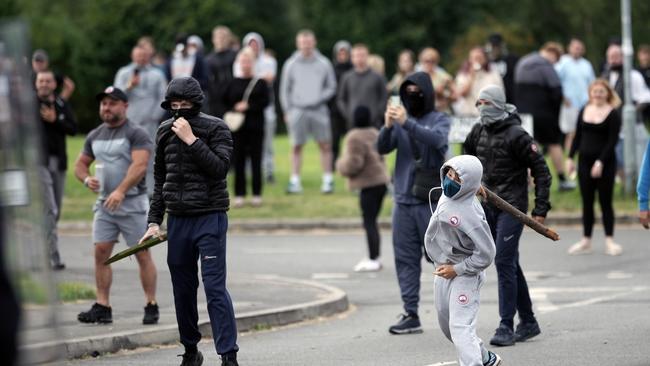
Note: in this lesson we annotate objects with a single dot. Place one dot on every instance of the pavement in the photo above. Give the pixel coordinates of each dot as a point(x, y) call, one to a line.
point(52, 332)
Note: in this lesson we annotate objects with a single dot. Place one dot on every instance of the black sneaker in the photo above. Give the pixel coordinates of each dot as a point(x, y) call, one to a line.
point(526, 331)
point(229, 359)
point(97, 314)
point(192, 359)
point(503, 336)
point(58, 267)
point(407, 324)
point(151, 314)
point(494, 359)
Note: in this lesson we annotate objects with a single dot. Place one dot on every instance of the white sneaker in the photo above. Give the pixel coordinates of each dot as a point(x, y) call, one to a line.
point(327, 187)
point(294, 188)
point(238, 202)
point(368, 265)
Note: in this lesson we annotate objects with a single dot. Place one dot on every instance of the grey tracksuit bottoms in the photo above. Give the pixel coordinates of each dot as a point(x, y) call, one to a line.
point(457, 302)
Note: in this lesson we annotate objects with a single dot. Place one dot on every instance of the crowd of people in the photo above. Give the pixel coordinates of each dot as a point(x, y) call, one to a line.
point(173, 128)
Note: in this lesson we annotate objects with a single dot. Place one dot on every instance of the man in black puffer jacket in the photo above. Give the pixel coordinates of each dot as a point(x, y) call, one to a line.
point(507, 152)
point(193, 152)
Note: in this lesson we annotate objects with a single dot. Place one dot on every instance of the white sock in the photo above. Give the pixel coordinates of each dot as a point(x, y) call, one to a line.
point(328, 178)
point(295, 179)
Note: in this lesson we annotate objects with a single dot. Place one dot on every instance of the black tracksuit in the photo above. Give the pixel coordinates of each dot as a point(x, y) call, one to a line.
point(190, 184)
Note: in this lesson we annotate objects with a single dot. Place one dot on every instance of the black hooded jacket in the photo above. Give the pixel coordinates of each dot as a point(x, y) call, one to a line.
point(190, 179)
point(506, 151)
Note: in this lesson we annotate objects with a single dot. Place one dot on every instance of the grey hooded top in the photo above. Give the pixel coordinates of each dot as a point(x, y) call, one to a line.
point(458, 231)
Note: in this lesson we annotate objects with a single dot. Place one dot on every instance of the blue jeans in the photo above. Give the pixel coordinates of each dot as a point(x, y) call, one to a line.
point(409, 226)
point(513, 289)
point(193, 238)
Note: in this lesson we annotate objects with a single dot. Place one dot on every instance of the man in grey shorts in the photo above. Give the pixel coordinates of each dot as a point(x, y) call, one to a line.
point(121, 152)
point(306, 86)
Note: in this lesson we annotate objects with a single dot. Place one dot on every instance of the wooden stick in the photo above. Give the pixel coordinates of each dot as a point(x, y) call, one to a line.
point(499, 203)
point(151, 241)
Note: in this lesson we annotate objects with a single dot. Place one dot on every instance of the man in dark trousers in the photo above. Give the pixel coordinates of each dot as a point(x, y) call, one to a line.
point(57, 121)
point(420, 135)
point(193, 152)
point(507, 153)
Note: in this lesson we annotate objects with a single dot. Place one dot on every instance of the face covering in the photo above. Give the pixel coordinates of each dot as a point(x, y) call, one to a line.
point(450, 187)
point(184, 112)
point(618, 68)
point(416, 103)
point(490, 114)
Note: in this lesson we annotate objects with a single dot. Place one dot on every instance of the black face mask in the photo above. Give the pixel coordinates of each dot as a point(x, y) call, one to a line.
point(618, 68)
point(416, 103)
point(184, 112)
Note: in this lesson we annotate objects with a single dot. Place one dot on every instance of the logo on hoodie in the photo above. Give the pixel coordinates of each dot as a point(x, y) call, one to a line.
point(454, 221)
point(463, 299)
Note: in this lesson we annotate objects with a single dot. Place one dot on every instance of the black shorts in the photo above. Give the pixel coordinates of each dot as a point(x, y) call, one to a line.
point(547, 131)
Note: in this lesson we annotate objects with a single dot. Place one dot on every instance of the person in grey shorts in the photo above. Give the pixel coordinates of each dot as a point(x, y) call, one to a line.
point(121, 152)
point(306, 86)
point(460, 243)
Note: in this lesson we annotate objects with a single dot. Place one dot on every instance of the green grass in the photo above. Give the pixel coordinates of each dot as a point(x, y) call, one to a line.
point(33, 292)
point(78, 200)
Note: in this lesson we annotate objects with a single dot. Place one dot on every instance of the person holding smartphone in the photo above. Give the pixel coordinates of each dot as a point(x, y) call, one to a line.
point(475, 74)
point(420, 136)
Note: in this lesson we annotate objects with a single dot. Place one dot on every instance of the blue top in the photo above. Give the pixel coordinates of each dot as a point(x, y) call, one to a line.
point(576, 76)
point(643, 185)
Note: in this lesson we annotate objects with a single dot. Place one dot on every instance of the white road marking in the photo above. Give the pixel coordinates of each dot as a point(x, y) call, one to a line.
point(330, 276)
point(544, 305)
point(618, 275)
point(444, 363)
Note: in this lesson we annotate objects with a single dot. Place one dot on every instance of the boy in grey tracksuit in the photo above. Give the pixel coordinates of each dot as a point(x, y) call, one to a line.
point(459, 242)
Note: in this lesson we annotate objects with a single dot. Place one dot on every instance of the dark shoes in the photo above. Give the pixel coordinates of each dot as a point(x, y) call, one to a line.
point(503, 336)
point(494, 359)
point(58, 266)
point(408, 324)
point(526, 331)
point(229, 359)
point(192, 359)
point(97, 314)
point(151, 314)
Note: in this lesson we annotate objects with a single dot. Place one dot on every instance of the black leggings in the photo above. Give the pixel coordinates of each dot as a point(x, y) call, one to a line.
point(370, 200)
point(248, 144)
point(605, 187)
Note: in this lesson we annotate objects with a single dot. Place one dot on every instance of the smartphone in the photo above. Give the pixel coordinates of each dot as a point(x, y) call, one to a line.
point(395, 101)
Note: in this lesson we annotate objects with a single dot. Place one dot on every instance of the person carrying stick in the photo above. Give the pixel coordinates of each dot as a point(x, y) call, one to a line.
point(506, 152)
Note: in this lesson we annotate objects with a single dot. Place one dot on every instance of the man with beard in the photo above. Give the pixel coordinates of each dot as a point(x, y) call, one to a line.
point(419, 134)
point(122, 150)
point(57, 121)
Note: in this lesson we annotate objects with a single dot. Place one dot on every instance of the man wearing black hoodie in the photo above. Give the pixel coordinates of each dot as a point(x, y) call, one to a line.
point(420, 135)
point(193, 152)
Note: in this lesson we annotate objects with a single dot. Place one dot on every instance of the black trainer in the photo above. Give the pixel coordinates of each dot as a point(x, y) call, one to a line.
point(408, 324)
point(97, 314)
point(229, 359)
point(503, 336)
point(526, 331)
point(192, 359)
point(151, 314)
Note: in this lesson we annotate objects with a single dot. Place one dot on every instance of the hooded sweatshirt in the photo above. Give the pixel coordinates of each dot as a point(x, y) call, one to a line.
point(458, 231)
point(430, 133)
point(264, 64)
point(307, 82)
point(538, 89)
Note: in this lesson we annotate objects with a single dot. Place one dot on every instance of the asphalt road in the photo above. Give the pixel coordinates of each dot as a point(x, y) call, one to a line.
point(593, 309)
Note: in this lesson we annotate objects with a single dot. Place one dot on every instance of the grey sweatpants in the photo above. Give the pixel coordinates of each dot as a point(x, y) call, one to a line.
point(457, 302)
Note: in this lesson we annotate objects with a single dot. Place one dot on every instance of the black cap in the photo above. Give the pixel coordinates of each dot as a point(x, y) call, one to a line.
point(114, 93)
point(495, 39)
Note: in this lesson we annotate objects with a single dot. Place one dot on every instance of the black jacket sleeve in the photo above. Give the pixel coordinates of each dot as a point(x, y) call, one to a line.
point(157, 204)
point(528, 152)
point(575, 145)
point(469, 146)
point(66, 121)
point(259, 97)
point(213, 155)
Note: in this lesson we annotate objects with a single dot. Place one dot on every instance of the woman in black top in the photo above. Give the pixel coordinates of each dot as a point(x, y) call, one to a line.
point(249, 138)
point(599, 124)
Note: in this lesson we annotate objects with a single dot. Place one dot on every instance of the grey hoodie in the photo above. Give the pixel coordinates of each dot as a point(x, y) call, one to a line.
point(307, 82)
point(458, 231)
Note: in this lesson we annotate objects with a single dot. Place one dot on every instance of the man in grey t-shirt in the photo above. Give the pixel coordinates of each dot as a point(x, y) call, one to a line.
point(120, 151)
